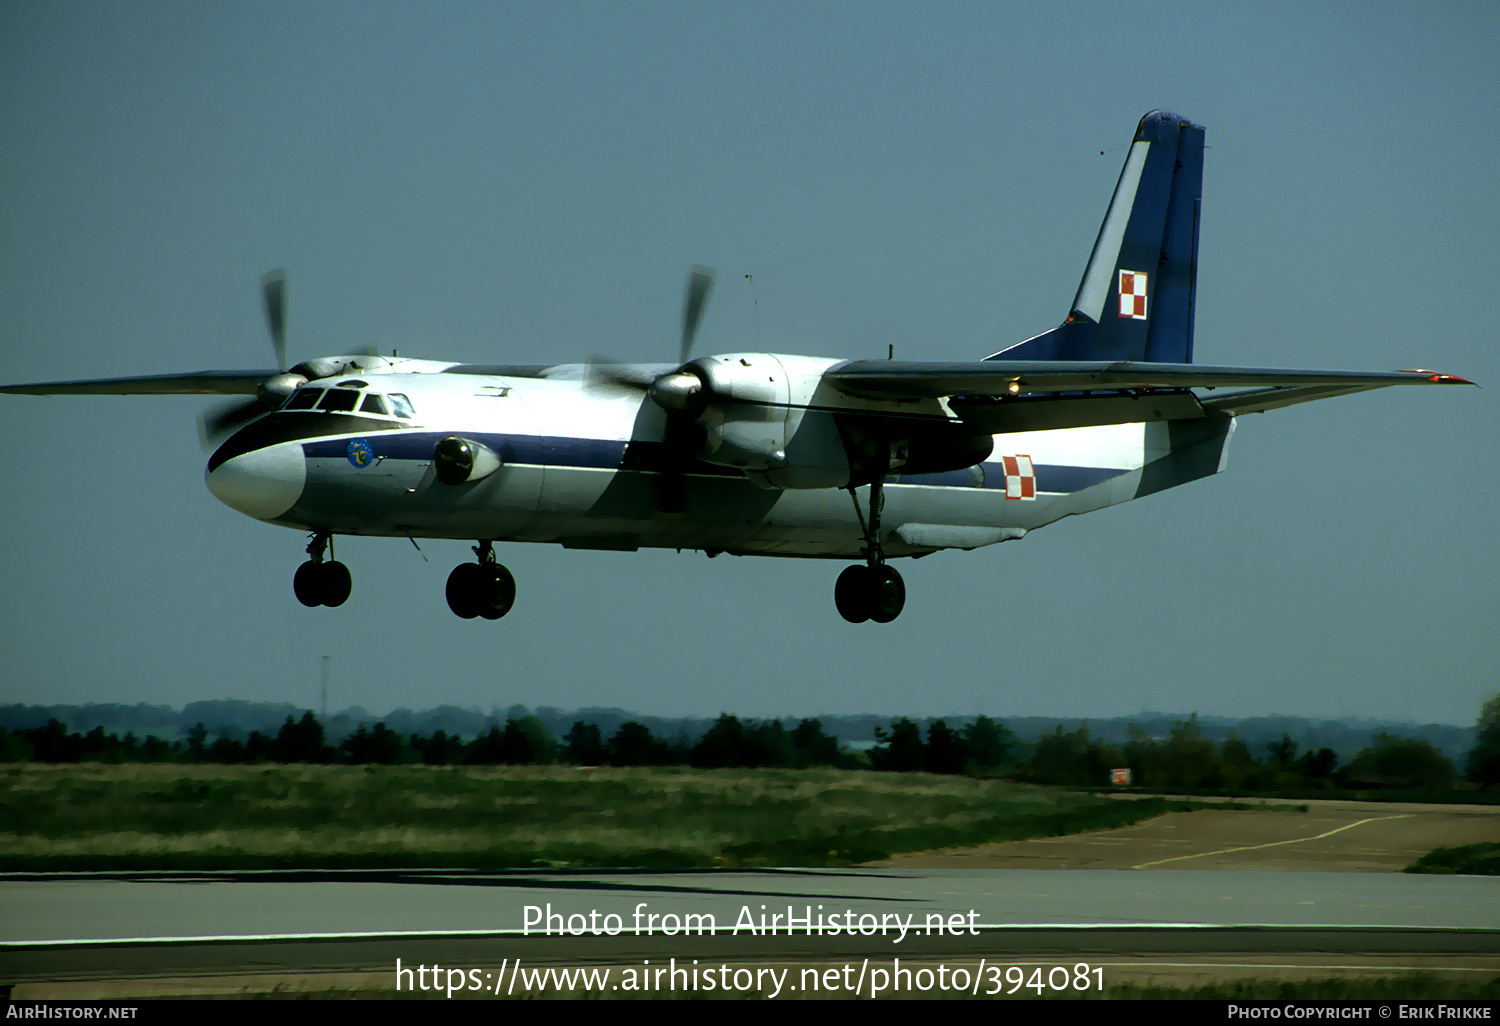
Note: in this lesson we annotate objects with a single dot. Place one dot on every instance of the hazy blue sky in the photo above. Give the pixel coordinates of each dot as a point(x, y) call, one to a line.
point(529, 183)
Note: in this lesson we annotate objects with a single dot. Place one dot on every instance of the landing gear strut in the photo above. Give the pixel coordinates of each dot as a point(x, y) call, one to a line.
point(872, 591)
point(484, 588)
point(319, 583)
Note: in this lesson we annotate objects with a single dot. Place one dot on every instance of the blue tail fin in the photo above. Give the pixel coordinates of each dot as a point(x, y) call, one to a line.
point(1136, 298)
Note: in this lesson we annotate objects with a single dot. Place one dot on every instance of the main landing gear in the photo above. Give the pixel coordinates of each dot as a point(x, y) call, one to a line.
point(319, 583)
point(872, 590)
point(484, 588)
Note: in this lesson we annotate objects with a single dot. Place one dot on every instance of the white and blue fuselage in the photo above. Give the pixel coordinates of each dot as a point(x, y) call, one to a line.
point(581, 464)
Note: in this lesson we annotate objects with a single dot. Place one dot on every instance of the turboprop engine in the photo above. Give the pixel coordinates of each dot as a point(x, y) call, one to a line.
point(771, 417)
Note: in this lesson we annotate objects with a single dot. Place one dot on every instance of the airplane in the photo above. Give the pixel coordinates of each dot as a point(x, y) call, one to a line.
point(763, 454)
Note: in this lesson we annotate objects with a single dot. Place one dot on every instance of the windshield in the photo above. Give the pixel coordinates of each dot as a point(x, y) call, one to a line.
point(346, 399)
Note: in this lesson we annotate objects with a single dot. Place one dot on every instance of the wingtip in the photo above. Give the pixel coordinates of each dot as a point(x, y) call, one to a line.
point(1440, 379)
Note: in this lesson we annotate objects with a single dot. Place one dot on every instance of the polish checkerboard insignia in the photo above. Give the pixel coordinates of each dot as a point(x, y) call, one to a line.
point(1133, 295)
point(1020, 477)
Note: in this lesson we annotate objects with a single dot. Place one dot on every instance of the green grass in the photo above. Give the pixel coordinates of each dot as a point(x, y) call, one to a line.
point(243, 817)
point(1474, 859)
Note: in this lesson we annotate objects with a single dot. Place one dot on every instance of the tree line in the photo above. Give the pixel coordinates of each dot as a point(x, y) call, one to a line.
point(1185, 758)
point(236, 718)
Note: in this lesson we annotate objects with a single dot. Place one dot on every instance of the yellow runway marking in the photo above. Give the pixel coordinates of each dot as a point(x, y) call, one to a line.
point(1272, 844)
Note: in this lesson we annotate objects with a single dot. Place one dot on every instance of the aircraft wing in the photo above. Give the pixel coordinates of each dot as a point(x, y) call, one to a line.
point(207, 382)
point(501, 370)
point(1262, 399)
point(890, 379)
point(999, 396)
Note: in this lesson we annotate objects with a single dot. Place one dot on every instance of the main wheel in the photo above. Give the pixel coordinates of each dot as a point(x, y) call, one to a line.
point(335, 581)
point(464, 589)
point(887, 594)
point(308, 584)
point(851, 593)
point(497, 592)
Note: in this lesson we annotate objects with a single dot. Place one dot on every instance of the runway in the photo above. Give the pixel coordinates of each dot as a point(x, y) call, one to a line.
point(62, 929)
point(1180, 899)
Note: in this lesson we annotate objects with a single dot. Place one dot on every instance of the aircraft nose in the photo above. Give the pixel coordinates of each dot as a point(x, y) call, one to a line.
point(262, 483)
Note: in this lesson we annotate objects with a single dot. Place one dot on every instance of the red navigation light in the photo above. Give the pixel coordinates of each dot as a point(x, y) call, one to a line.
point(1441, 379)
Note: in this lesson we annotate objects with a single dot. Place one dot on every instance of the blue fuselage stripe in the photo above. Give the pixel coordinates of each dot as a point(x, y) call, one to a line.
point(607, 454)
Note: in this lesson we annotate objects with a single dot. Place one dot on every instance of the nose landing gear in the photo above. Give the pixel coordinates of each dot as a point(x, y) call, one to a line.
point(319, 583)
point(484, 588)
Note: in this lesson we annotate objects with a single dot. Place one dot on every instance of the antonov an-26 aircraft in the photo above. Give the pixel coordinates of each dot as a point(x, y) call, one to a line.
point(760, 453)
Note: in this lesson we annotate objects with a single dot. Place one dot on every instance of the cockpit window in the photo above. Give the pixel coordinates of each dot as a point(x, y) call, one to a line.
point(343, 399)
point(339, 400)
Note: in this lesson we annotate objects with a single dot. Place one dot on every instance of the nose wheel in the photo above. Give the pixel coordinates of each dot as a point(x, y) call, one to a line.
point(320, 582)
point(485, 588)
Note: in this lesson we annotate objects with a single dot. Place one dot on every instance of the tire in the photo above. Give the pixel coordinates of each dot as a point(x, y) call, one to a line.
point(497, 592)
point(307, 583)
point(851, 593)
point(887, 594)
point(336, 583)
point(464, 584)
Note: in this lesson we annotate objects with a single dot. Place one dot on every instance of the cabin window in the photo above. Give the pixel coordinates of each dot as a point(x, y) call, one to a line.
point(401, 406)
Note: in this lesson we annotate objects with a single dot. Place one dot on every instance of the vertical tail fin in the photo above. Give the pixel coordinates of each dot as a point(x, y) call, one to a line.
point(1136, 298)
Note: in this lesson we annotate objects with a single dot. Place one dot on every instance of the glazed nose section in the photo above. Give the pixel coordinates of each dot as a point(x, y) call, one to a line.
point(262, 483)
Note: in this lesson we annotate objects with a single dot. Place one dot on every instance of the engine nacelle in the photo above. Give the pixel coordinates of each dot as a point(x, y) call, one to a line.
point(771, 417)
point(457, 460)
point(919, 448)
point(274, 390)
point(745, 423)
point(332, 366)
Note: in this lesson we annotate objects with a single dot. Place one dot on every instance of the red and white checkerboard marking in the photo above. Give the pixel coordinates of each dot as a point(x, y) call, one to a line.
point(1133, 295)
point(1020, 477)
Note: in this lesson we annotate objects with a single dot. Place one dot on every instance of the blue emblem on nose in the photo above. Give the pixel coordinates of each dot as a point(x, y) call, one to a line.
point(360, 452)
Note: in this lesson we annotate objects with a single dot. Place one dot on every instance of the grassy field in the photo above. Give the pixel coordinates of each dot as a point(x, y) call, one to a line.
point(90, 816)
point(1473, 859)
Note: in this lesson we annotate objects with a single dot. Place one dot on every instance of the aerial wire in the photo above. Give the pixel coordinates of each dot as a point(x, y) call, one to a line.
point(756, 300)
point(845, 243)
point(855, 240)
